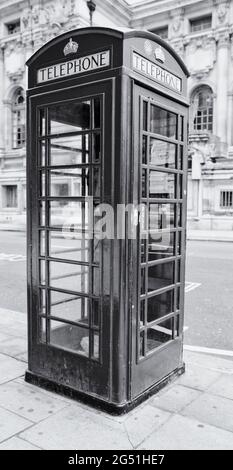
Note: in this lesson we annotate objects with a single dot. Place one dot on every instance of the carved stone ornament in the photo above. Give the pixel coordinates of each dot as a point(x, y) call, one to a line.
point(222, 12)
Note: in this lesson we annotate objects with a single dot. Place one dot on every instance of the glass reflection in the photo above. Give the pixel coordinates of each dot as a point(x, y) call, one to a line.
point(162, 153)
point(159, 306)
point(74, 338)
point(160, 275)
point(69, 117)
point(159, 334)
point(163, 122)
point(70, 277)
point(72, 150)
point(69, 307)
point(161, 216)
point(161, 185)
point(162, 247)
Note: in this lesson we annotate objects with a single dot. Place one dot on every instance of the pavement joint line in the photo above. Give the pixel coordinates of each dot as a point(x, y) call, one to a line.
point(11, 380)
point(28, 442)
point(18, 433)
point(214, 351)
point(12, 357)
point(17, 414)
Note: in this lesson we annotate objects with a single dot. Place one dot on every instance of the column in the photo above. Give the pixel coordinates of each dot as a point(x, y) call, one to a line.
point(222, 83)
point(2, 140)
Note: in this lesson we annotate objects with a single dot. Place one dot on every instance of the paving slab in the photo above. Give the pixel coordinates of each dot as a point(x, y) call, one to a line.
point(208, 361)
point(11, 424)
point(28, 401)
point(211, 409)
point(13, 345)
point(223, 387)
point(16, 443)
point(175, 398)
point(198, 377)
point(76, 428)
point(143, 422)
point(182, 433)
point(10, 368)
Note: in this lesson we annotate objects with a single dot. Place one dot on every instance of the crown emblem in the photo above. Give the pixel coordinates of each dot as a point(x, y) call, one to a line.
point(159, 54)
point(71, 47)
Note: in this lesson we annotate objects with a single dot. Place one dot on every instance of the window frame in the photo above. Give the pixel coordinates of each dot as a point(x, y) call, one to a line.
point(229, 194)
point(18, 120)
point(203, 115)
point(201, 19)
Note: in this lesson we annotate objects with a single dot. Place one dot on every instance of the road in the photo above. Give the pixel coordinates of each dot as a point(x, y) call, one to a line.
point(209, 288)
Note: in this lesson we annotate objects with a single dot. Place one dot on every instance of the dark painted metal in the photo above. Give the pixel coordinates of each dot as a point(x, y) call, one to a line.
point(117, 381)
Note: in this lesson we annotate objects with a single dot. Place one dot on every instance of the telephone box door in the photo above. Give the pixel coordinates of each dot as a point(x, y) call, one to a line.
point(159, 186)
point(70, 135)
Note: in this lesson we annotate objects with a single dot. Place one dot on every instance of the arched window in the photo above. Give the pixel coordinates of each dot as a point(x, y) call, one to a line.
point(202, 109)
point(18, 118)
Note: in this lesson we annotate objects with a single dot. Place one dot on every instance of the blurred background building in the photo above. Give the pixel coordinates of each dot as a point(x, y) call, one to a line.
point(201, 31)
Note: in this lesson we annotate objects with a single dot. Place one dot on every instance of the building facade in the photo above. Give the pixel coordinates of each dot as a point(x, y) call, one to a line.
point(200, 31)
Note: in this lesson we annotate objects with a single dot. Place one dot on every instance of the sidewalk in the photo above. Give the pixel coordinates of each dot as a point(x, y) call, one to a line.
point(211, 235)
point(194, 412)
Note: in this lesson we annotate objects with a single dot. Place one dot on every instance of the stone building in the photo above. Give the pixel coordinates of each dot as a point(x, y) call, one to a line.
point(200, 31)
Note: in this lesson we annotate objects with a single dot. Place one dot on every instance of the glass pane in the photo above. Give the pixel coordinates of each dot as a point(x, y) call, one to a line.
point(160, 275)
point(72, 150)
point(74, 182)
point(144, 150)
point(96, 106)
point(69, 117)
point(42, 330)
point(95, 352)
point(159, 334)
point(42, 272)
point(141, 343)
point(69, 249)
point(144, 182)
point(41, 160)
point(74, 338)
point(95, 313)
point(142, 312)
point(42, 242)
point(161, 217)
point(42, 213)
point(144, 115)
point(69, 307)
point(163, 122)
point(143, 251)
point(69, 277)
point(162, 185)
point(96, 148)
point(181, 137)
point(160, 305)
point(162, 247)
point(162, 153)
point(181, 157)
point(73, 217)
point(42, 183)
point(42, 122)
point(95, 191)
point(42, 297)
point(143, 281)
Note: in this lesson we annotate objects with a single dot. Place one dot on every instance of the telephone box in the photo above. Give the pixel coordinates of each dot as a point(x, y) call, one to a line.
point(107, 140)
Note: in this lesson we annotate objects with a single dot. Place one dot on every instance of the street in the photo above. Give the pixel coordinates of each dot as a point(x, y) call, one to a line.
point(209, 288)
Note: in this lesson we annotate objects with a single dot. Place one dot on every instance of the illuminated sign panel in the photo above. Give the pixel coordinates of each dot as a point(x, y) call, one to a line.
point(88, 63)
point(155, 72)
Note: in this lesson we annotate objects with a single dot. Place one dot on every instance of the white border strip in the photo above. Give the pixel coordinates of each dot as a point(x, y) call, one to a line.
point(200, 349)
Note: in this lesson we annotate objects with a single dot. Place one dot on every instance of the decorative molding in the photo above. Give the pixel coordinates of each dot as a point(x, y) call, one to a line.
point(201, 74)
point(16, 76)
point(221, 12)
